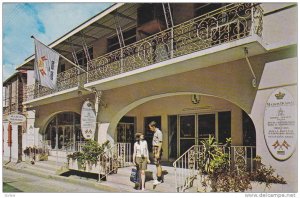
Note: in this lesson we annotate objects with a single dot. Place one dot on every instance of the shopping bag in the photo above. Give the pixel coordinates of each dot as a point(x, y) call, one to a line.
point(134, 176)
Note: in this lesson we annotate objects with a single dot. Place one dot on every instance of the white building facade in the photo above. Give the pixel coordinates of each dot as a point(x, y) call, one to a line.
point(208, 70)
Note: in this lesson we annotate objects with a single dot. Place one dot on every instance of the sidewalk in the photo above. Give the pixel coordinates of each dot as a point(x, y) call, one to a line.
point(52, 171)
point(116, 182)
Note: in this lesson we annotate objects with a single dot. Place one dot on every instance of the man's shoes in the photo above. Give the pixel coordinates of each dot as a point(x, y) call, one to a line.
point(156, 182)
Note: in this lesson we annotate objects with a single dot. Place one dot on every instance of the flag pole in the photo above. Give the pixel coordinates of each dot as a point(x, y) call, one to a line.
point(64, 58)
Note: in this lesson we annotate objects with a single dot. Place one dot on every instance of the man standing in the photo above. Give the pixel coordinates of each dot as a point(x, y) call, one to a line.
point(157, 151)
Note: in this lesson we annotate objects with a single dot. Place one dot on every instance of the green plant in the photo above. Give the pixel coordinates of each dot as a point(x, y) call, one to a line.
point(216, 172)
point(43, 157)
point(33, 150)
point(214, 165)
point(89, 154)
point(92, 150)
point(265, 174)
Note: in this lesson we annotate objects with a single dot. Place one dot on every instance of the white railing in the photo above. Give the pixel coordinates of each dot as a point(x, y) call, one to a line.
point(118, 156)
point(186, 167)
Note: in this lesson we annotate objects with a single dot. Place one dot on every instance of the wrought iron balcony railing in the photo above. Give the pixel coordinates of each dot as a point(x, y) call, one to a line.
point(226, 24)
point(223, 25)
point(65, 80)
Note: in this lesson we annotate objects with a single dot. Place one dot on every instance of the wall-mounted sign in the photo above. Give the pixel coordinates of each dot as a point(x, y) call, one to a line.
point(280, 124)
point(88, 120)
point(16, 118)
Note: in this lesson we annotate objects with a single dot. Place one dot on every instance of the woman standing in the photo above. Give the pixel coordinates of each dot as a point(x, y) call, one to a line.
point(141, 157)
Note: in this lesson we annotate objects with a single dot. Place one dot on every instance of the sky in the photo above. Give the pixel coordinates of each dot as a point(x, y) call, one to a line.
point(46, 21)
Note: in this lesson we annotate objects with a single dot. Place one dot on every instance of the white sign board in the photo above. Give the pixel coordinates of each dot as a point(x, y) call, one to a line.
point(88, 120)
point(280, 124)
point(16, 118)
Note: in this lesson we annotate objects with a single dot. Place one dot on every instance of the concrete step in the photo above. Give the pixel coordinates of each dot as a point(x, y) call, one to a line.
point(59, 153)
point(40, 169)
point(58, 159)
point(50, 165)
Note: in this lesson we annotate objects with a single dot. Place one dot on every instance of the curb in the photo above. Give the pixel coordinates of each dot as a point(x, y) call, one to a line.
point(65, 179)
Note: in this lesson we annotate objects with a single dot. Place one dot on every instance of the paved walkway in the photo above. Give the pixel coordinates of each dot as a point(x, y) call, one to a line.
point(50, 171)
point(31, 183)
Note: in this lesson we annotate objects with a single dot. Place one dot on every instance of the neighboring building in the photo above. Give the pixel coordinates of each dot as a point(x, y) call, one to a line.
point(12, 93)
point(188, 71)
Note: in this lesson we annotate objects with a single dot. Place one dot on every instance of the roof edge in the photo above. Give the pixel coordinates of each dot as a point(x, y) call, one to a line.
point(76, 30)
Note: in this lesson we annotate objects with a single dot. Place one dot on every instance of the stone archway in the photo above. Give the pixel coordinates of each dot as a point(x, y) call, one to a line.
point(116, 118)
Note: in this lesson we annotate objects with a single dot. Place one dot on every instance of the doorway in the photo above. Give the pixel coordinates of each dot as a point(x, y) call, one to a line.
point(126, 130)
point(195, 128)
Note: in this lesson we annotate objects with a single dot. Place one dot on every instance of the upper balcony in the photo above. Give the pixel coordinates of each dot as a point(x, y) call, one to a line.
point(222, 26)
point(11, 105)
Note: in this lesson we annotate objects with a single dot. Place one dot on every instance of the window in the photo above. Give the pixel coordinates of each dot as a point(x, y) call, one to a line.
point(248, 131)
point(173, 136)
point(206, 125)
point(148, 12)
point(5, 96)
point(224, 126)
point(82, 58)
point(63, 131)
point(126, 130)
point(61, 68)
point(14, 92)
point(128, 35)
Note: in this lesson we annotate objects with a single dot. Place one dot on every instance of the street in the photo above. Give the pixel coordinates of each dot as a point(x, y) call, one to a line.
point(30, 183)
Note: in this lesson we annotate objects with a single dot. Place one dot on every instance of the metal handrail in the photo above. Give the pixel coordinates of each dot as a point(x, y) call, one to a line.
point(118, 156)
point(185, 174)
point(187, 171)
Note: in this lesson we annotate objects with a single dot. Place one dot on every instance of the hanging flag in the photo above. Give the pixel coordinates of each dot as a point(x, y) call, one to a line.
point(45, 65)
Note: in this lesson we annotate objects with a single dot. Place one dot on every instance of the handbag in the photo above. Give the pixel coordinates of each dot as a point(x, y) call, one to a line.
point(134, 176)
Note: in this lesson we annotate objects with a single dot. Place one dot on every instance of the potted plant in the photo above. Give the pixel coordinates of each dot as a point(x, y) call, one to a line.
point(87, 160)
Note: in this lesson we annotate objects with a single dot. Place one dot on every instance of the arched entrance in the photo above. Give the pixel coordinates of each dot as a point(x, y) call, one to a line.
point(185, 122)
point(63, 131)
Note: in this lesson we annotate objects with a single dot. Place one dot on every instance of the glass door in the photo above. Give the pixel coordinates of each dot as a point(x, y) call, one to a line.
point(187, 126)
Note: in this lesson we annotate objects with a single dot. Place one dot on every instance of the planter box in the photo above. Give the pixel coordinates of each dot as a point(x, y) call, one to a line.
point(90, 168)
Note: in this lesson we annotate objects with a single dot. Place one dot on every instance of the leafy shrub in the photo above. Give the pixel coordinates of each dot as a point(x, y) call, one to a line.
point(43, 157)
point(90, 152)
point(215, 166)
point(216, 172)
point(265, 174)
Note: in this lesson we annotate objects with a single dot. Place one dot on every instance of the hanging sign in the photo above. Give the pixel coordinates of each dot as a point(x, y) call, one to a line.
point(88, 120)
point(16, 118)
point(280, 124)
